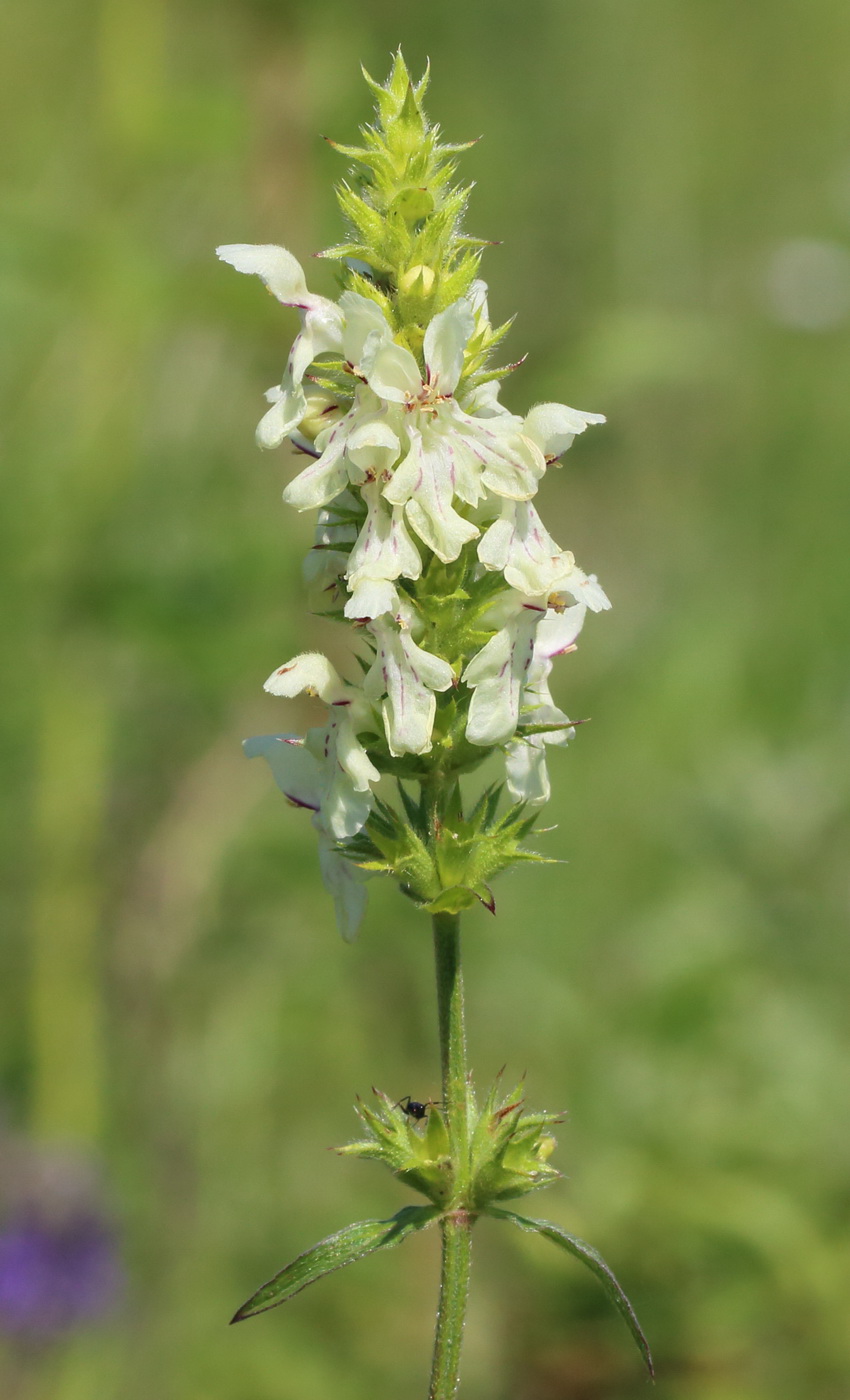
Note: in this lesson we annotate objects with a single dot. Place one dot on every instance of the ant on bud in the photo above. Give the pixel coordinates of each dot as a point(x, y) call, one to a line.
point(412, 1108)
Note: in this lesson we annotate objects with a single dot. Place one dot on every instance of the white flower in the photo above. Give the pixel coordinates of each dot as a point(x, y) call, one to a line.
point(294, 768)
point(363, 441)
point(384, 552)
point(393, 373)
point(483, 401)
point(509, 462)
point(526, 771)
point(585, 588)
point(425, 482)
point(553, 426)
point(521, 547)
point(328, 475)
point(451, 452)
point(477, 298)
point(346, 771)
point(323, 409)
point(298, 774)
point(497, 674)
point(321, 330)
point(525, 757)
point(407, 676)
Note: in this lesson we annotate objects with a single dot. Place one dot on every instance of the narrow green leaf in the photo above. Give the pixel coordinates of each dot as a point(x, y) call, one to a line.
point(594, 1261)
point(345, 1247)
point(413, 811)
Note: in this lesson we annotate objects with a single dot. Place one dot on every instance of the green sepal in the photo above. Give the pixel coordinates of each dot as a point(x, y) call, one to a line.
point(416, 812)
point(593, 1261)
point(445, 864)
point(368, 221)
point(418, 1158)
point(509, 1149)
point(335, 1252)
point(525, 731)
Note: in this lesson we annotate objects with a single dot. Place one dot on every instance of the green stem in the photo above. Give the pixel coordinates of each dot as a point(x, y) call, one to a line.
point(452, 1041)
point(457, 1223)
point(451, 1313)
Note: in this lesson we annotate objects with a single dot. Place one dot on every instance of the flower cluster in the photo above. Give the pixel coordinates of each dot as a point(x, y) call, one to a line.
point(428, 538)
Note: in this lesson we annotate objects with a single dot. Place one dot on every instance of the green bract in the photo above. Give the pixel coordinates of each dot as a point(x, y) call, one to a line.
point(508, 1150)
point(443, 866)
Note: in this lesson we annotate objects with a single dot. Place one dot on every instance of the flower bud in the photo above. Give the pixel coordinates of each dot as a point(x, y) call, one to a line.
point(322, 410)
point(418, 280)
point(413, 205)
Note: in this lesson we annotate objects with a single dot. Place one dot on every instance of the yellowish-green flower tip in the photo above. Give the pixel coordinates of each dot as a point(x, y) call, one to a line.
point(406, 247)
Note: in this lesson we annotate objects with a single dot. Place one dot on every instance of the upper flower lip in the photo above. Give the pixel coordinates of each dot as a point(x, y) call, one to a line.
point(391, 369)
point(321, 329)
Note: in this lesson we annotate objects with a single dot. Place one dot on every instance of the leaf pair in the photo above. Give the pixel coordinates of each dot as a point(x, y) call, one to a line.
point(356, 1241)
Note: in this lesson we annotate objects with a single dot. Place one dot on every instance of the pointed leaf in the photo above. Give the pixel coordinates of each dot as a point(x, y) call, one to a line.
point(414, 811)
point(594, 1261)
point(345, 1247)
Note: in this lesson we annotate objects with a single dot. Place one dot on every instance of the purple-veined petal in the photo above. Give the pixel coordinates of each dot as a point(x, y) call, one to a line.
point(383, 552)
point(294, 768)
point(408, 677)
point(521, 547)
point(311, 672)
point(497, 675)
point(553, 426)
point(424, 481)
point(372, 445)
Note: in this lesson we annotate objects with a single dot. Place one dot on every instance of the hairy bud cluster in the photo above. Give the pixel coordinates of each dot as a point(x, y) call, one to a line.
point(509, 1150)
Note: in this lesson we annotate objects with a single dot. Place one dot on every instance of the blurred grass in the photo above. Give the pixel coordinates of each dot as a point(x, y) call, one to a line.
point(174, 998)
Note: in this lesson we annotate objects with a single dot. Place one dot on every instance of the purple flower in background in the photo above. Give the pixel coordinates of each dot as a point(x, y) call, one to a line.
point(59, 1260)
point(53, 1278)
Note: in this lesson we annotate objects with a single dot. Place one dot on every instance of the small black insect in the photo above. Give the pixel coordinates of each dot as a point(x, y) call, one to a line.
point(413, 1108)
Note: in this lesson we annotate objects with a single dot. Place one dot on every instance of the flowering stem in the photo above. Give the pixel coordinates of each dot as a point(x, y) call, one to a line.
point(457, 1223)
point(411, 451)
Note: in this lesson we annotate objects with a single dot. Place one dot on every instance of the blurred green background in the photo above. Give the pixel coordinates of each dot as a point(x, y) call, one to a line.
point(671, 182)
